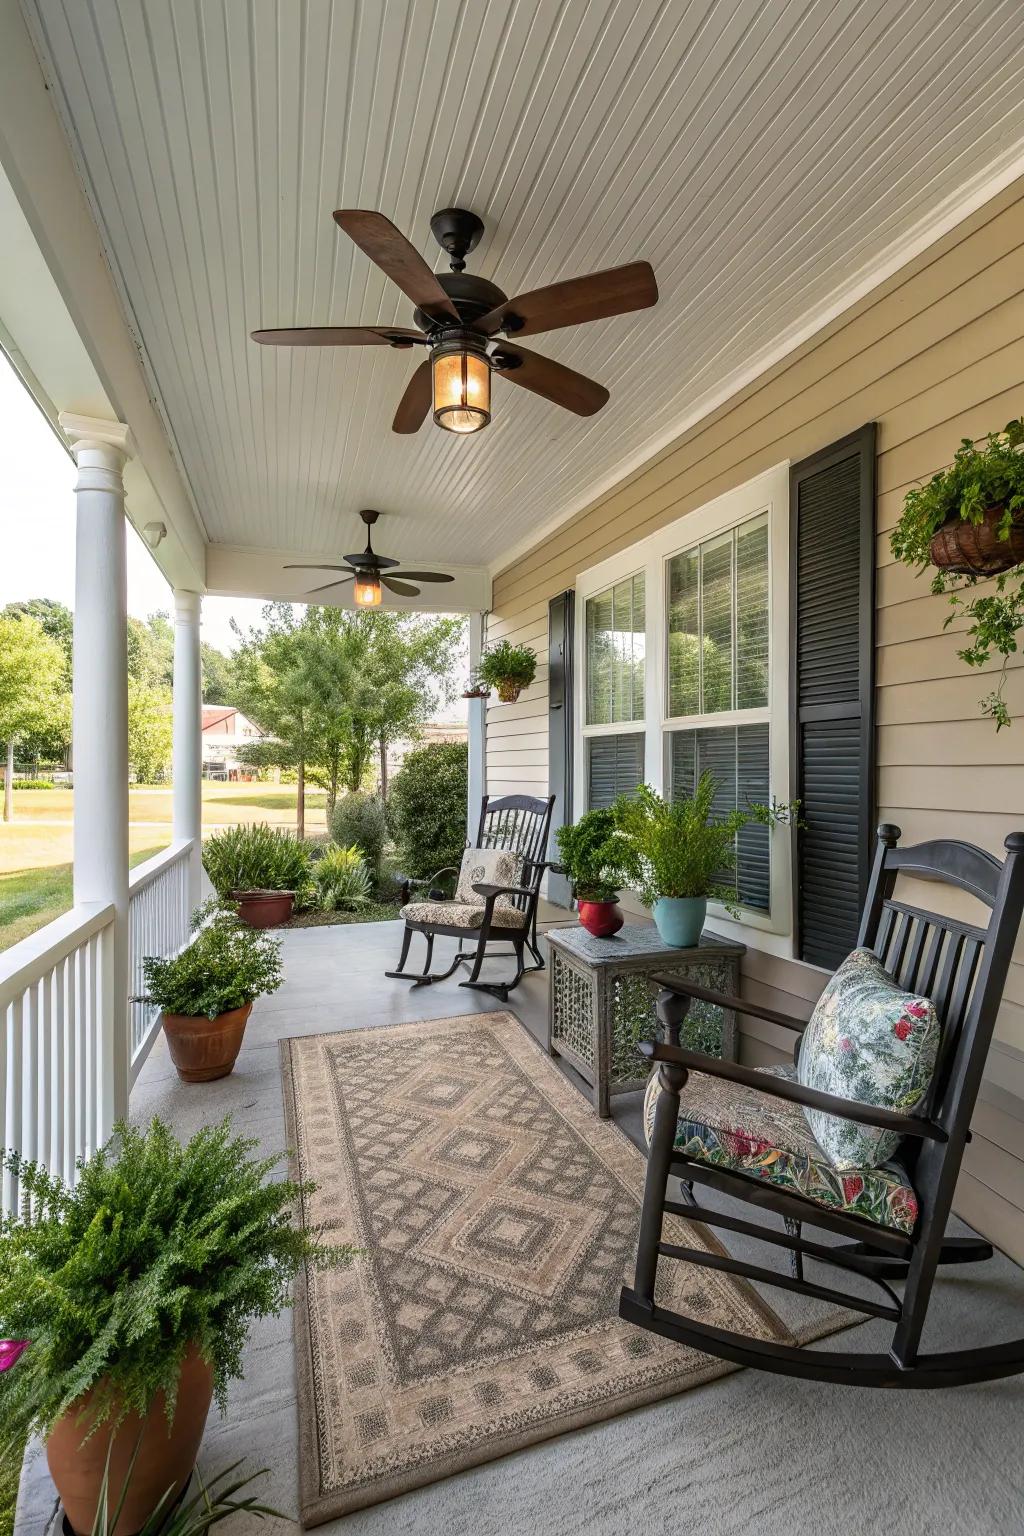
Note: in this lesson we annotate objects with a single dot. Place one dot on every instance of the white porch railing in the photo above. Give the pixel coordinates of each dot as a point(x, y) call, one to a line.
point(56, 1043)
point(158, 924)
point(58, 1054)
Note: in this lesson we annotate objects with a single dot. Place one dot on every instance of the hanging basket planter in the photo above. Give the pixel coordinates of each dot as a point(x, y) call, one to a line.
point(978, 549)
point(509, 690)
point(507, 668)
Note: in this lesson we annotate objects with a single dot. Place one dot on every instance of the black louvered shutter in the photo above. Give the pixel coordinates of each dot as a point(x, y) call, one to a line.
point(560, 727)
point(832, 511)
point(615, 766)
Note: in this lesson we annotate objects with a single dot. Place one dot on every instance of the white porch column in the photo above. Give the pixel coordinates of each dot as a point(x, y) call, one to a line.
point(188, 744)
point(477, 731)
point(100, 723)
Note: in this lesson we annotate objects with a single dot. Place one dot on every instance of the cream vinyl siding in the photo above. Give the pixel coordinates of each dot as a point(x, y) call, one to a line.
point(934, 355)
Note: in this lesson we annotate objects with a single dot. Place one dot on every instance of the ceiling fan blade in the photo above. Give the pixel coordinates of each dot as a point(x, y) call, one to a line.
point(424, 576)
point(339, 336)
point(385, 245)
point(615, 291)
point(328, 585)
point(320, 567)
point(401, 587)
point(415, 403)
point(561, 385)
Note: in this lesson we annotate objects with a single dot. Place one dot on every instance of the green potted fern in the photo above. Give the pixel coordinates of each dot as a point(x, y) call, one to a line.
point(680, 855)
point(507, 668)
point(968, 523)
point(130, 1298)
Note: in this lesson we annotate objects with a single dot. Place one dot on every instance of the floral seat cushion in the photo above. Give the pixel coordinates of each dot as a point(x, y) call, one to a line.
point(731, 1126)
point(462, 914)
point(867, 1040)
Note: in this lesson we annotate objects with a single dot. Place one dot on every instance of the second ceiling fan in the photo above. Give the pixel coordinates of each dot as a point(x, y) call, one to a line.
point(459, 316)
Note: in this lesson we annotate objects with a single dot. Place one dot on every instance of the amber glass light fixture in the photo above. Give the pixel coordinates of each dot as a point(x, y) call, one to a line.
point(462, 387)
point(366, 590)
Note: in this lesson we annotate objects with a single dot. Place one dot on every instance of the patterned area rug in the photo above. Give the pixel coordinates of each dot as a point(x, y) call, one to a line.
point(498, 1217)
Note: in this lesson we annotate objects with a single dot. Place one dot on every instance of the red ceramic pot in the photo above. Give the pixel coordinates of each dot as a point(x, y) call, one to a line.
point(601, 918)
point(264, 909)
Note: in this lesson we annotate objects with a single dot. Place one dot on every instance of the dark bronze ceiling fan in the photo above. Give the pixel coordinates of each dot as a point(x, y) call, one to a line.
point(459, 317)
point(371, 571)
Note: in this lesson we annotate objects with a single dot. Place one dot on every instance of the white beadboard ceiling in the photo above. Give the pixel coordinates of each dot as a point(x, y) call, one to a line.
point(765, 155)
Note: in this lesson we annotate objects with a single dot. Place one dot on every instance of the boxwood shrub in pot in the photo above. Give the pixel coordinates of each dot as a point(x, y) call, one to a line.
point(968, 523)
point(593, 854)
point(132, 1294)
point(206, 992)
point(264, 869)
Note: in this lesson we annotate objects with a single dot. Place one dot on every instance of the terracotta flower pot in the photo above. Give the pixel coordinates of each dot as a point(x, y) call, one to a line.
point(166, 1456)
point(976, 549)
point(203, 1049)
point(264, 909)
point(601, 918)
point(509, 690)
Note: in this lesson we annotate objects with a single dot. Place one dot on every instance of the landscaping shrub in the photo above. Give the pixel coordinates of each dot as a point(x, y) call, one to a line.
point(34, 784)
point(359, 821)
point(226, 965)
point(255, 858)
point(428, 807)
point(342, 880)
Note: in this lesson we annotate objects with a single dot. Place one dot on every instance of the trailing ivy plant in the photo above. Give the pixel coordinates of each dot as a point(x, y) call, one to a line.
point(980, 477)
point(160, 1245)
point(594, 855)
point(679, 848)
point(224, 966)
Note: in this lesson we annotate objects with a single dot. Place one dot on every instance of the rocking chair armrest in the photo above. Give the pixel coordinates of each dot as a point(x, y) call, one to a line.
point(429, 879)
point(491, 892)
point(783, 1088)
point(684, 988)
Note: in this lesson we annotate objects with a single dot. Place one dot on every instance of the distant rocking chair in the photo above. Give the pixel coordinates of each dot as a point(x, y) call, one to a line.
point(961, 969)
point(512, 840)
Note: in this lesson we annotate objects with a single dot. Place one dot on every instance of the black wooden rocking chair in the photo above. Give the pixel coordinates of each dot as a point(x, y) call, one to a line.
point(507, 914)
point(962, 969)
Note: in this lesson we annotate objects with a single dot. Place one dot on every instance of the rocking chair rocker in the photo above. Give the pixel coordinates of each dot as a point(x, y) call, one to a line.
point(486, 913)
point(962, 969)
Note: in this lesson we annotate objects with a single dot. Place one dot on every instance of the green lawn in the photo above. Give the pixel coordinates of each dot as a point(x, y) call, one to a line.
point(36, 847)
point(9, 1477)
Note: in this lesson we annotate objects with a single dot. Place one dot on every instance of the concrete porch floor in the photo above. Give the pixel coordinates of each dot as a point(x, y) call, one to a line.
point(748, 1453)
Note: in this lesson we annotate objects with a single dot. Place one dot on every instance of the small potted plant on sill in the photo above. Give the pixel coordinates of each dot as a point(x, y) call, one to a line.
point(262, 868)
point(132, 1294)
point(508, 668)
point(968, 523)
point(680, 856)
point(476, 690)
point(592, 853)
point(205, 993)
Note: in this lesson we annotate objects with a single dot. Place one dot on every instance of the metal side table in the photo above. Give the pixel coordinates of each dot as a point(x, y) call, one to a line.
point(601, 1002)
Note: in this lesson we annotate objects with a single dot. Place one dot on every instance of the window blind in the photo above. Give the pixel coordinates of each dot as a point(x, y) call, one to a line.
point(737, 756)
point(615, 766)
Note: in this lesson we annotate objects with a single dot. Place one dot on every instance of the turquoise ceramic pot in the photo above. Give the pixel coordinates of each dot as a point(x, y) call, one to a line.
point(680, 919)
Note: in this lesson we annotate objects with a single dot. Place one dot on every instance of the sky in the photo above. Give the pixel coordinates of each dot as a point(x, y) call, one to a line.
point(37, 530)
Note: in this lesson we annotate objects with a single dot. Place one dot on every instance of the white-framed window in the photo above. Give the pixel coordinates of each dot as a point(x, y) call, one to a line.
point(714, 659)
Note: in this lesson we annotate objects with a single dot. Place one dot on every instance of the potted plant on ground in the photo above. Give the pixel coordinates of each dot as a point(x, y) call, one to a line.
point(206, 992)
point(261, 868)
point(968, 522)
point(508, 668)
point(133, 1292)
point(592, 852)
point(680, 856)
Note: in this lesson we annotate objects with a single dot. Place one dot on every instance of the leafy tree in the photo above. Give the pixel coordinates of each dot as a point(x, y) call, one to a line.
point(50, 741)
point(150, 731)
point(151, 650)
point(31, 686)
point(218, 675)
point(428, 804)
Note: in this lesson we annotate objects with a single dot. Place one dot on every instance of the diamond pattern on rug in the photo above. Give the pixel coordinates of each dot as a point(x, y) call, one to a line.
point(498, 1220)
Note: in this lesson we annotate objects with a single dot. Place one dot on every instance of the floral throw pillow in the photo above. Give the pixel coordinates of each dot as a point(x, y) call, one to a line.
point(487, 866)
point(868, 1040)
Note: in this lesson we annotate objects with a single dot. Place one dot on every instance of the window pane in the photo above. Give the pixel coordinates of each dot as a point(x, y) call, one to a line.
point(683, 635)
point(615, 653)
point(752, 615)
point(615, 766)
point(738, 758)
point(716, 623)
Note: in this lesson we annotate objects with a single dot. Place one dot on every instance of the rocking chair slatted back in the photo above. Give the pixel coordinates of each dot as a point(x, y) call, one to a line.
point(521, 824)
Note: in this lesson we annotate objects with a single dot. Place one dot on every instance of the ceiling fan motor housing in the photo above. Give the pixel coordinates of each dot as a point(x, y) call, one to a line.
point(472, 296)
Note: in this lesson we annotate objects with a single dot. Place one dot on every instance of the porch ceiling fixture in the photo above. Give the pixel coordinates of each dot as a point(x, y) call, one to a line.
point(370, 571)
point(459, 316)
